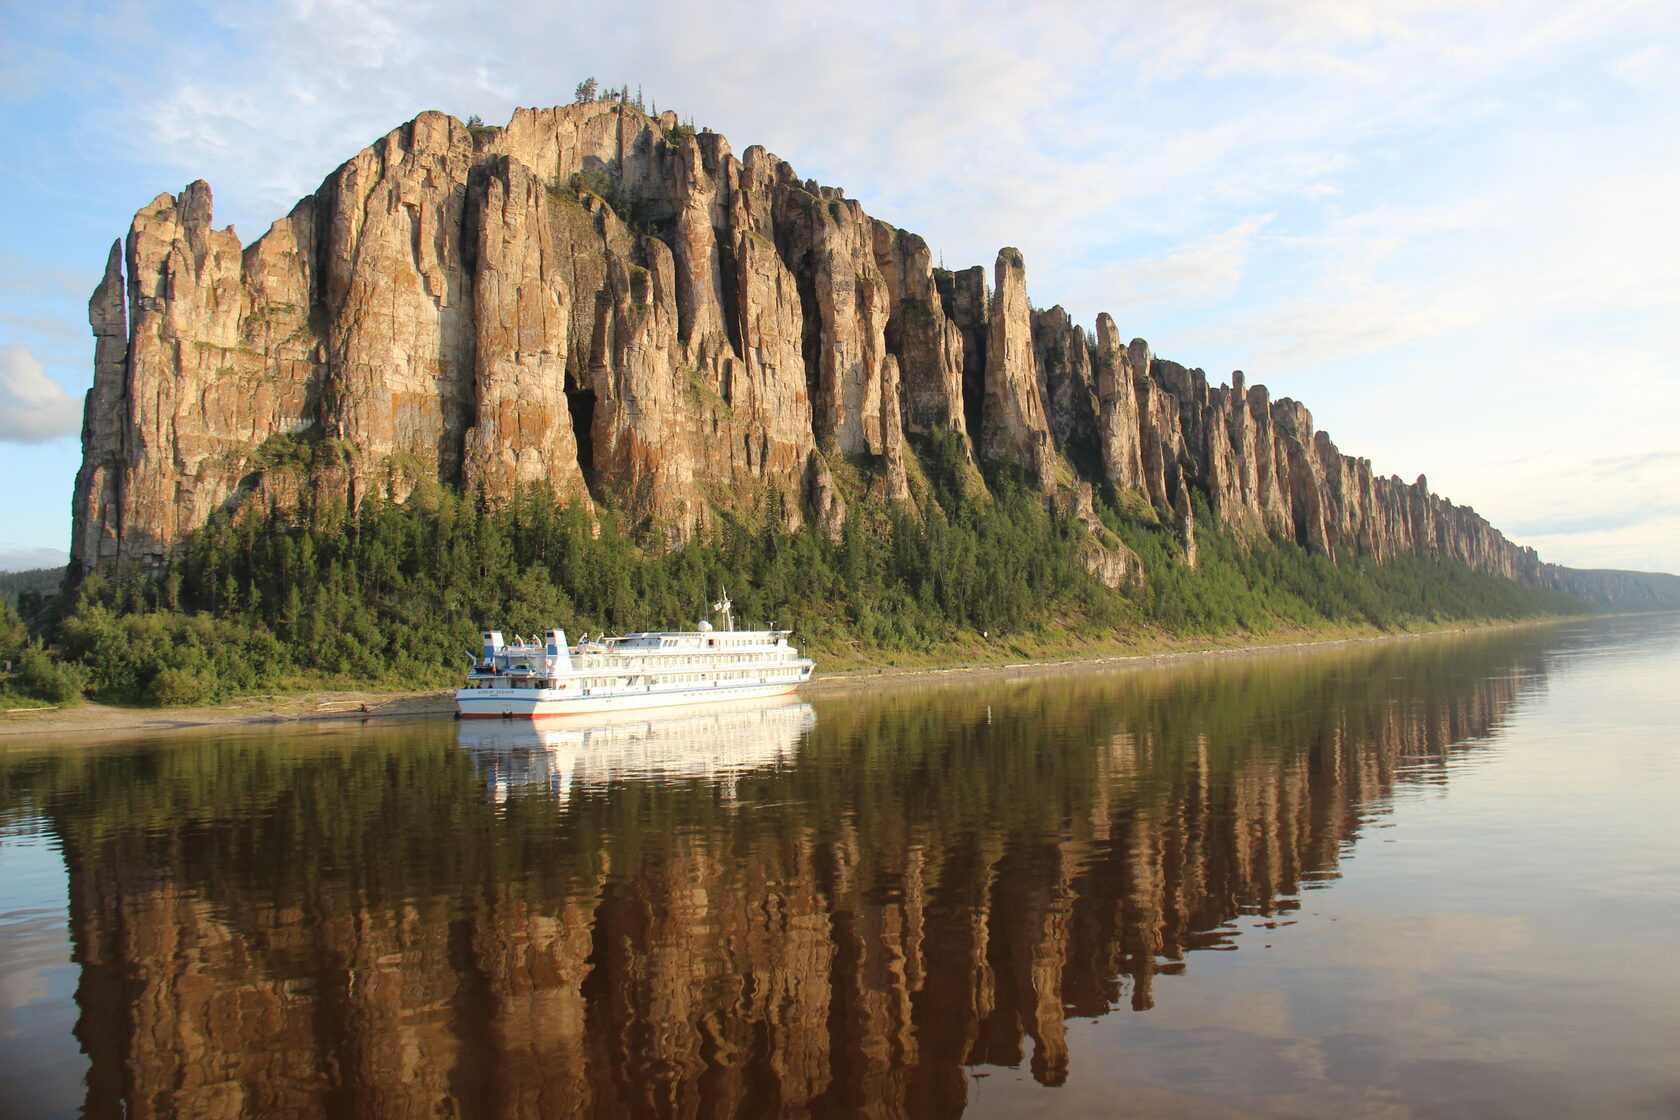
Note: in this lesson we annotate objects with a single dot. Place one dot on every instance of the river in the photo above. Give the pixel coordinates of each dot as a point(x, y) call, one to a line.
point(1436, 877)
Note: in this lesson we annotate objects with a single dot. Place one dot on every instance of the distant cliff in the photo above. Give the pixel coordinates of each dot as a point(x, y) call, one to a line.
point(615, 305)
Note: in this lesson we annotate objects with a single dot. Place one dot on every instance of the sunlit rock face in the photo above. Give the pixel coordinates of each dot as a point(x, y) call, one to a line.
point(1014, 427)
point(623, 309)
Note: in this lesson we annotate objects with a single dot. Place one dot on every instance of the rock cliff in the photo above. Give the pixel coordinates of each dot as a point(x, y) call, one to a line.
point(621, 308)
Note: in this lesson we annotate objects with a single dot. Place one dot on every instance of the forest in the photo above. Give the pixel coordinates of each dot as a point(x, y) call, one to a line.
point(392, 594)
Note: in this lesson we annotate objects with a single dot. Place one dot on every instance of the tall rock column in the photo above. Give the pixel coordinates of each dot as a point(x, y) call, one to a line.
point(642, 431)
point(895, 479)
point(700, 271)
point(96, 512)
point(1160, 435)
point(770, 438)
point(1014, 427)
point(402, 380)
point(1065, 379)
point(968, 304)
point(1230, 457)
point(1185, 519)
point(1117, 419)
point(521, 312)
point(1270, 491)
point(184, 307)
point(1424, 537)
point(828, 242)
point(219, 357)
point(1305, 483)
point(928, 345)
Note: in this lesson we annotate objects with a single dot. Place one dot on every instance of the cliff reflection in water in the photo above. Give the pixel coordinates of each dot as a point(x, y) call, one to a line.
point(395, 923)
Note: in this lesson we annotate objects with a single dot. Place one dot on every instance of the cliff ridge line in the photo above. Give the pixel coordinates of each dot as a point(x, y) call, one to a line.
point(614, 305)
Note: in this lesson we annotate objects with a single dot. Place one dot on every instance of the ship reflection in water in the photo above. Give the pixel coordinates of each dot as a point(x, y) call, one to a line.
point(711, 743)
point(904, 903)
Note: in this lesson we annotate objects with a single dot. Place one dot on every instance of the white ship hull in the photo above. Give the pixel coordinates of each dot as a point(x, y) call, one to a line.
point(529, 703)
point(532, 678)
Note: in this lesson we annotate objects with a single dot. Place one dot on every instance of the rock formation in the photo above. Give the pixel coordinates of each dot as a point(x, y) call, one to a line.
point(523, 434)
point(610, 304)
point(1014, 427)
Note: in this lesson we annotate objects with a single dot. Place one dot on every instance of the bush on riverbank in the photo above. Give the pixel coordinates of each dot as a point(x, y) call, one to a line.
point(165, 658)
point(33, 679)
point(14, 635)
point(37, 680)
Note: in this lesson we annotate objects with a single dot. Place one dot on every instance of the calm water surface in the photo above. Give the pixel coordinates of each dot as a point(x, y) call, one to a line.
point(1425, 878)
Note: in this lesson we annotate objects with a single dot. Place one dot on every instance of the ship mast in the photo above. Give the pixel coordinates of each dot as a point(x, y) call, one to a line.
point(725, 606)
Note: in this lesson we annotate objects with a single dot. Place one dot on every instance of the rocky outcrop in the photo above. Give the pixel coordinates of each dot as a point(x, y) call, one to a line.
point(104, 420)
point(1066, 381)
point(1014, 426)
point(921, 334)
point(828, 241)
point(967, 302)
point(610, 305)
point(523, 304)
point(1119, 440)
point(220, 355)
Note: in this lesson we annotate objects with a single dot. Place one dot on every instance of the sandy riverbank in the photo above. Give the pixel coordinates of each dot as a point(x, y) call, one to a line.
point(92, 721)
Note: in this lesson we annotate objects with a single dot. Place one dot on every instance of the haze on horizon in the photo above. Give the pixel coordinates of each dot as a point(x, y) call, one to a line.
point(1449, 232)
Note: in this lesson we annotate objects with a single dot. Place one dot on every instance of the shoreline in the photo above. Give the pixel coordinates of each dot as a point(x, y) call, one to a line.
point(92, 721)
point(849, 680)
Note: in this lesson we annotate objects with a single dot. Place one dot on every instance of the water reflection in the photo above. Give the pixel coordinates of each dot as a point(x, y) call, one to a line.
point(713, 743)
point(838, 908)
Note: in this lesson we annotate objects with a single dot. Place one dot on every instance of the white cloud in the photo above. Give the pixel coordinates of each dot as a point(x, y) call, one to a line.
point(1306, 335)
point(1207, 268)
point(1646, 66)
point(1645, 545)
point(42, 306)
point(33, 407)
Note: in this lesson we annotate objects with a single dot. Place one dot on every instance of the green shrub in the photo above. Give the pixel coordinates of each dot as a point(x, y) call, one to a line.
point(165, 657)
point(174, 688)
point(38, 677)
point(14, 635)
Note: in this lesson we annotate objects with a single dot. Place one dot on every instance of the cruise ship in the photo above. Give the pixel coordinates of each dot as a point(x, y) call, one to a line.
point(543, 676)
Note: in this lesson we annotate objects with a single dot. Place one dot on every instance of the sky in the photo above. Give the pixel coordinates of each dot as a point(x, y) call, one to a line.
point(1452, 230)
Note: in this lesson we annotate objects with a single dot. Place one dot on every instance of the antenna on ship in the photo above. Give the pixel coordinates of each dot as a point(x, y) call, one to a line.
point(725, 606)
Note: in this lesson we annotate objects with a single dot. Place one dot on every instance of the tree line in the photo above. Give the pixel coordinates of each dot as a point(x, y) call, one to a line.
point(394, 593)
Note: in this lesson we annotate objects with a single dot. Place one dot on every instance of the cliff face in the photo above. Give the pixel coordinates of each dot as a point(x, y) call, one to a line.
point(625, 310)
